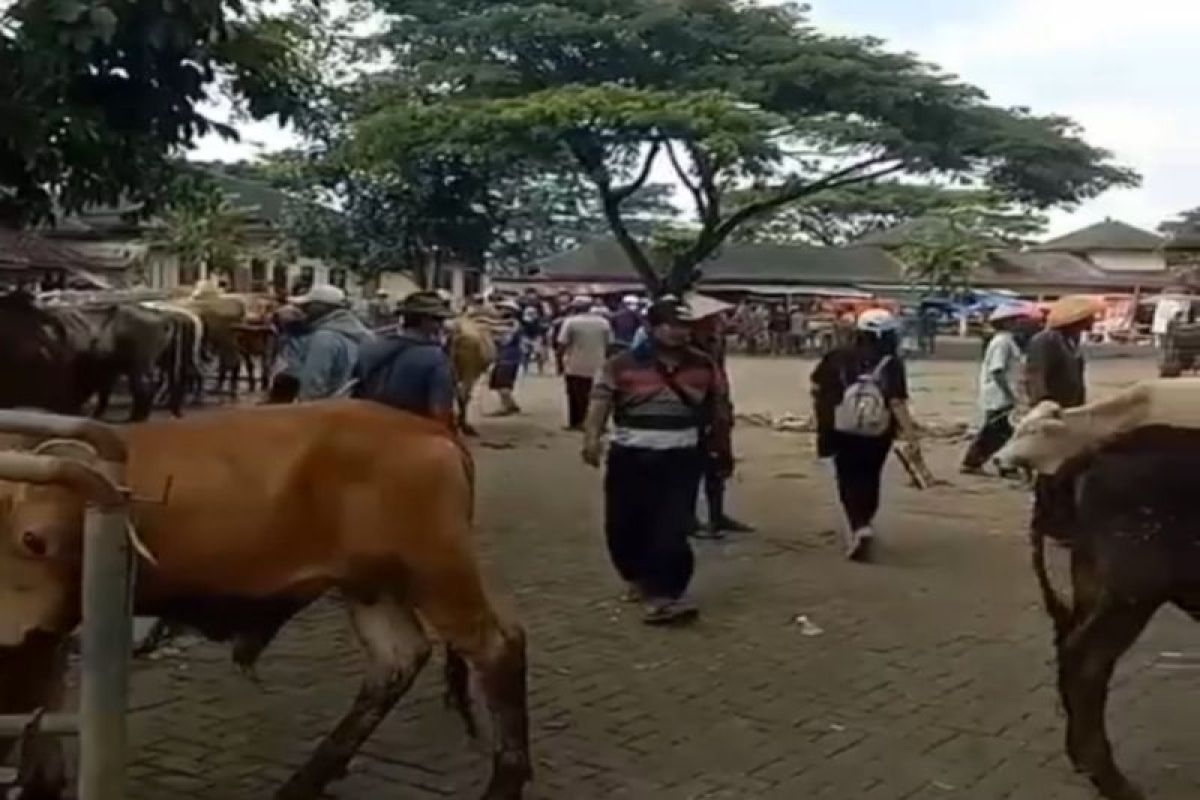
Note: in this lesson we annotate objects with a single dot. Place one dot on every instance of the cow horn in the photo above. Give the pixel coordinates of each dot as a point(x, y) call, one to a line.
point(50, 445)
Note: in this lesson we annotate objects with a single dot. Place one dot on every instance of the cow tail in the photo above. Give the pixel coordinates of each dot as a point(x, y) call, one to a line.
point(1056, 606)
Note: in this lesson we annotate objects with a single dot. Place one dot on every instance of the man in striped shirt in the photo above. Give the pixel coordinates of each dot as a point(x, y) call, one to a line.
point(667, 404)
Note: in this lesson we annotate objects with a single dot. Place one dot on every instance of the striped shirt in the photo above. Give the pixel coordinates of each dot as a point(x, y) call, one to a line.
point(647, 412)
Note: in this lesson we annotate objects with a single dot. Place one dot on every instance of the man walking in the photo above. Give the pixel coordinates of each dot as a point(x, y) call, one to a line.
point(331, 347)
point(661, 396)
point(1055, 371)
point(409, 369)
point(1000, 392)
point(583, 340)
point(626, 322)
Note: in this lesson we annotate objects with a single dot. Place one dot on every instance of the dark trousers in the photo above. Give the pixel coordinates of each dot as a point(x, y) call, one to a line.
point(649, 504)
point(859, 462)
point(579, 392)
point(714, 490)
point(994, 434)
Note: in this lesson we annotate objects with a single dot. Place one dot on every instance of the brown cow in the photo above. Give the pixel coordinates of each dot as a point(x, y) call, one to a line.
point(270, 508)
point(472, 352)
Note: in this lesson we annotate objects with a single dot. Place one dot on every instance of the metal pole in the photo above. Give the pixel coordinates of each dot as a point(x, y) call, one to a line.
point(107, 597)
point(107, 633)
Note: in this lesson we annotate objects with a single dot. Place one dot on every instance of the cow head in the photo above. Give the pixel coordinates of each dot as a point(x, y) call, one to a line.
point(1043, 441)
point(41, 554)
point(41, 534)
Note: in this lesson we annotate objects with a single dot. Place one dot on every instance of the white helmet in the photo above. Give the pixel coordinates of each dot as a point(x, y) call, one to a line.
point(877, 321)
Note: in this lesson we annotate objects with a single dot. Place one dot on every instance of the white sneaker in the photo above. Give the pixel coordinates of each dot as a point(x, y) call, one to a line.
point(861, 543)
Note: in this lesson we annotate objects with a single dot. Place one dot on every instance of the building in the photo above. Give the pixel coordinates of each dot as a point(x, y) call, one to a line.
point(1114, 247)
point(30, 259)
point(601, 267)
point(1109, 257)
point(268, 263)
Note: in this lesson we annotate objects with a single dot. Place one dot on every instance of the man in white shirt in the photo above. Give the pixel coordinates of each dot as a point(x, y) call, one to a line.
point(1000, 392)
point(583, 341)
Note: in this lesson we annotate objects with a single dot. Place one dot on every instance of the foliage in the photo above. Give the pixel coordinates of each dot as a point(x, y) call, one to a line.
point(731, 95)
point(200, 228)
point(100, 97)
point(942, 251)
point(1185, 226)
point(838, 217)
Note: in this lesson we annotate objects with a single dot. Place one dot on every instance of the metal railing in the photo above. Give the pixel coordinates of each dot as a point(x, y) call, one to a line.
point(107, 593)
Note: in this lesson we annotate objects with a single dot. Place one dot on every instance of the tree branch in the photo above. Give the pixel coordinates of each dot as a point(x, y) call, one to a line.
point(843, 177)
point(711, 238)
point(686, 180)
point(708, 185)
point(623, 193)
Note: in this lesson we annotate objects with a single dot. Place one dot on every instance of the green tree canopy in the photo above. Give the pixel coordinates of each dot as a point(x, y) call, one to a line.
point(738, 100)
point(101, 97)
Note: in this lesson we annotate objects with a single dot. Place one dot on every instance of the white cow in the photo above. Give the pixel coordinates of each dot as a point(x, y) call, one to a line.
point(1049, 435)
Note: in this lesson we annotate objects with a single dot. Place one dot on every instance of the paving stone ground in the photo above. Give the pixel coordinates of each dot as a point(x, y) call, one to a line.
point(932, 677)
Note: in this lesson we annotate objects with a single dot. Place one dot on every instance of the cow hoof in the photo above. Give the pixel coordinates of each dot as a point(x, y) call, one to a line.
point(1118, 788)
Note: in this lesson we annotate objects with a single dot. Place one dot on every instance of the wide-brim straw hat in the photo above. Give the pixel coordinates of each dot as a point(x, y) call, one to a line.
point(1073, 309)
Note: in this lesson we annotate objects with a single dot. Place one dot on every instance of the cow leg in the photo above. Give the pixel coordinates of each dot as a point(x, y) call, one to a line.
point(143, 399)
point(1087, 659)
point(104, 386)
point(458, 690)
point(454, 603)
point(464, 405)
point(397, 648)
point(32, 677)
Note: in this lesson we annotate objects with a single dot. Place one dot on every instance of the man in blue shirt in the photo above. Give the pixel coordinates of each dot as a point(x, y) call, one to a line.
point(409, 369)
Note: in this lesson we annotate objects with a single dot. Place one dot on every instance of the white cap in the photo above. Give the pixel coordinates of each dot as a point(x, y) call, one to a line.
point(582, 301)
point(877, 321)
point(1013, 311)
point(631, 300)
point(324, 294)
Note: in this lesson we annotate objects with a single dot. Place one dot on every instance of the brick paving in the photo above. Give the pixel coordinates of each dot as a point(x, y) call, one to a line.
point(932, 677)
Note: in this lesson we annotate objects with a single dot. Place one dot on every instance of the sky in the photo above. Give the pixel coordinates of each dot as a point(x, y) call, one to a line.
point(1121, 69)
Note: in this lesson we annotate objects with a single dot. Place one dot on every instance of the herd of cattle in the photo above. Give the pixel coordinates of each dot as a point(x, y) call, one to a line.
point(378, 505)
point(62, 354)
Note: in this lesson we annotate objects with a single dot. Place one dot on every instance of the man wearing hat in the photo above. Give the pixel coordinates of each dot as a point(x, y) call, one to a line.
point(626, 322)
point(1055, 368)
point(667, 403)
point(409, 369)
point(1055, 371)
point(583, 341)
point(999, 385)
point(332, 345)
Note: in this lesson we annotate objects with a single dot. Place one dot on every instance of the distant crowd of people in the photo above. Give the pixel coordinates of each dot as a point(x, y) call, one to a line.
point(650, 381)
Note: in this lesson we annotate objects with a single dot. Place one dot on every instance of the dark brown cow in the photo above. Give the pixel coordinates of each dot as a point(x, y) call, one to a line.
point(270, 508)
point(37, 364)
point(113, 340)
point(1131, 513)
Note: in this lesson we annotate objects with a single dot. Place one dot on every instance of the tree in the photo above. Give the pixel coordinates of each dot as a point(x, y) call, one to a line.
point(942, 251)
point(1185, 226)
point(731, 95)
point(549, 213)
point(838, 217)
point(101, 97)
point(201, 229)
